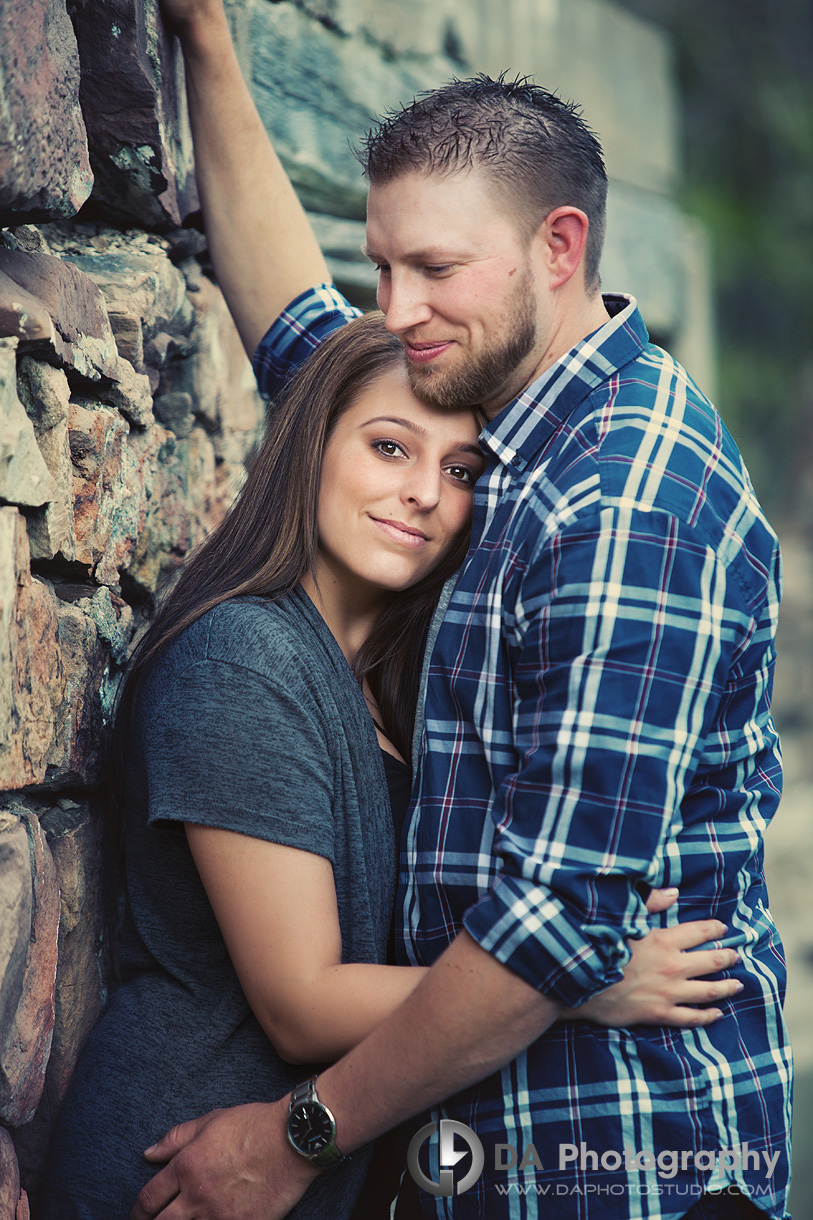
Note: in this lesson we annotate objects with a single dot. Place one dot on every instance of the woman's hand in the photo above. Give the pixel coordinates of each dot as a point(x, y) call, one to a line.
point(663, 979)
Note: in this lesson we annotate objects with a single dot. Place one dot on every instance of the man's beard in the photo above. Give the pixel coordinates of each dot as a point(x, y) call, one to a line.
point(482, 378)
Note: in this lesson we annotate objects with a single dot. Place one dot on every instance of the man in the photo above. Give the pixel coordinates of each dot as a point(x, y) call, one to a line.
point(597, 712)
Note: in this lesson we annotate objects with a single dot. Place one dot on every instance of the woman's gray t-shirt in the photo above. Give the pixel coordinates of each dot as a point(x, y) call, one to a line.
point(253, 722)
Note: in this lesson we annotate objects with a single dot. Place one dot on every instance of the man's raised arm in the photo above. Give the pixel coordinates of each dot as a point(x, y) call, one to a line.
point(263, 249)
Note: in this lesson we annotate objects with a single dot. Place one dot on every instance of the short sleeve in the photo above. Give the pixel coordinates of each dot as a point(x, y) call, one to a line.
point(226, 747)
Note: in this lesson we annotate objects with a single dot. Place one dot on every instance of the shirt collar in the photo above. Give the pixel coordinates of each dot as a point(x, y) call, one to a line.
point(521, 429)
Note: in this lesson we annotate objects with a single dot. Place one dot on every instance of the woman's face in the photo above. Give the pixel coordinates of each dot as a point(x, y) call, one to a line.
point(396, 489)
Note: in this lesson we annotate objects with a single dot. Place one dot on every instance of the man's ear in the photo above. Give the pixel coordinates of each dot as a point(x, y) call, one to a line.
point(563, 237)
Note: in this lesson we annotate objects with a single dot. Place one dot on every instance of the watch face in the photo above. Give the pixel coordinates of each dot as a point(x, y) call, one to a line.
point(310, 1127)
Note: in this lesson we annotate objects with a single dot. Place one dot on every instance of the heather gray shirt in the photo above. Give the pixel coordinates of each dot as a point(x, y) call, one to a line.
point(252, 721)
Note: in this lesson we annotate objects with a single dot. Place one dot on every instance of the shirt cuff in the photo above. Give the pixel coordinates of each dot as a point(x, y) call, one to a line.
point(297, 332)
point(528, 929)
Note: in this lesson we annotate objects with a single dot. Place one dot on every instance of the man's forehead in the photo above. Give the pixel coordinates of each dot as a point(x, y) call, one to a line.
point(428, 210)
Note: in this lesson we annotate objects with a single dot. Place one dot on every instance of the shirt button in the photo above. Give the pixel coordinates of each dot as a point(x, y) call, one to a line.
point(516, 460)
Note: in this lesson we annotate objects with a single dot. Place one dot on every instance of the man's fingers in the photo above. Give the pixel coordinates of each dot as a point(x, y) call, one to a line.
point(156, 1196)
point(159, 1193)
point(174, 1140)
point(661, 900)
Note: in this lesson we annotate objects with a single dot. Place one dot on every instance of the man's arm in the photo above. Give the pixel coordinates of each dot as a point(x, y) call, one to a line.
point(263, 249)
point(466, 1018)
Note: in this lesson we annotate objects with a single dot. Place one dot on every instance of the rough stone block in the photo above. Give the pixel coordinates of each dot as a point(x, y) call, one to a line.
point(451, 29)
point(141, 148)
point(45, 395)
point(51, 529)
point(44, 166)
point(24, 237)
point(315, 89)
point(129, 338)
point(341, 242)
point(141, 283)
point(24, 476)
point(13, 1202)
point(615, 65)
point(15, 902)
point(131, 394)
point(175, 410)
point(83, 969)
point(83, 722)
point(25, 1049)
point(218, 377)
point(114, 622)
point(30, 662)
point(109, 490)
point(185, 506)
point(56, 310)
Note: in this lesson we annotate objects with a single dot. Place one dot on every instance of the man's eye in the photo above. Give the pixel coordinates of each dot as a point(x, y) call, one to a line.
point(438, 268)
point(382, 268)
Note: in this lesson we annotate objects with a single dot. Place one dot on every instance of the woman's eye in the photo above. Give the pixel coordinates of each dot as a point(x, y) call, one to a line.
point(388, 448)
point(461, 473)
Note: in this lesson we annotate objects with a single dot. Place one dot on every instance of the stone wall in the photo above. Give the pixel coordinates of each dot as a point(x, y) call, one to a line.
point(127, 407)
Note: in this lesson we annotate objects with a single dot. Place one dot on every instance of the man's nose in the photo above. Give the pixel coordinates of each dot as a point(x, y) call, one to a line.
point(403, 301)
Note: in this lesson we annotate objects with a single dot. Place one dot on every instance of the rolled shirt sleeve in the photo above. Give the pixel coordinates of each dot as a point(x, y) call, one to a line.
point(627, 626)
point(296, 334)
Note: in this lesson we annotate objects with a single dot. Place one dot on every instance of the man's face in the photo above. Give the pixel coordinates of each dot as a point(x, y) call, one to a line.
point(460, 285)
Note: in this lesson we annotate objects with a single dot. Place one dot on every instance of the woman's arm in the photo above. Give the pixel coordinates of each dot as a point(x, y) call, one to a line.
point(276, 908)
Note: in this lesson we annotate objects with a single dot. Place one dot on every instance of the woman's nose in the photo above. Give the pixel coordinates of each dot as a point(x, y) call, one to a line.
point(422, 485)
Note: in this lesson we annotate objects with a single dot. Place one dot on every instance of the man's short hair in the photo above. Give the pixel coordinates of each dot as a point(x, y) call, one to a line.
point(531, 143)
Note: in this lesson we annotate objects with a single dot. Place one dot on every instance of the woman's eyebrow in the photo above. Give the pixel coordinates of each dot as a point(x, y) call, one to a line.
point(392, 419)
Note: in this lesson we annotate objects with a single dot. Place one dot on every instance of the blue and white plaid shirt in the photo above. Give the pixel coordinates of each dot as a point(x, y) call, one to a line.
point(597, 721)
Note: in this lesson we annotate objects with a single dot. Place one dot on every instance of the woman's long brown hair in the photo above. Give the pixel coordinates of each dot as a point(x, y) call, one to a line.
point(268, 540)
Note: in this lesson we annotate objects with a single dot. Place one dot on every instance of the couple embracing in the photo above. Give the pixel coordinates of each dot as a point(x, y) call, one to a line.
point(500, 473)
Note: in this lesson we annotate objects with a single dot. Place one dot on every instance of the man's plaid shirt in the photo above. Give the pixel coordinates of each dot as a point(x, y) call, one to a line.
point(597, 721)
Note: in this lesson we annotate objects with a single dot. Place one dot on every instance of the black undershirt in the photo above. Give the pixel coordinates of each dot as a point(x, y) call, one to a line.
point(399, 785)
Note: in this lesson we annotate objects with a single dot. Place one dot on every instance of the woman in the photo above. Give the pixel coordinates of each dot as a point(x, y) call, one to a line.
point(260, 714)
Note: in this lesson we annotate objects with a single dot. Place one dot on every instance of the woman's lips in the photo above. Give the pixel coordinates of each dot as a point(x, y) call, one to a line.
point(423, 353)
point(407, 535)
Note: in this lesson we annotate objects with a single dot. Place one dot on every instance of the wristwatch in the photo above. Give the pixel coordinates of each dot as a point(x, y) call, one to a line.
point(312, 1127)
